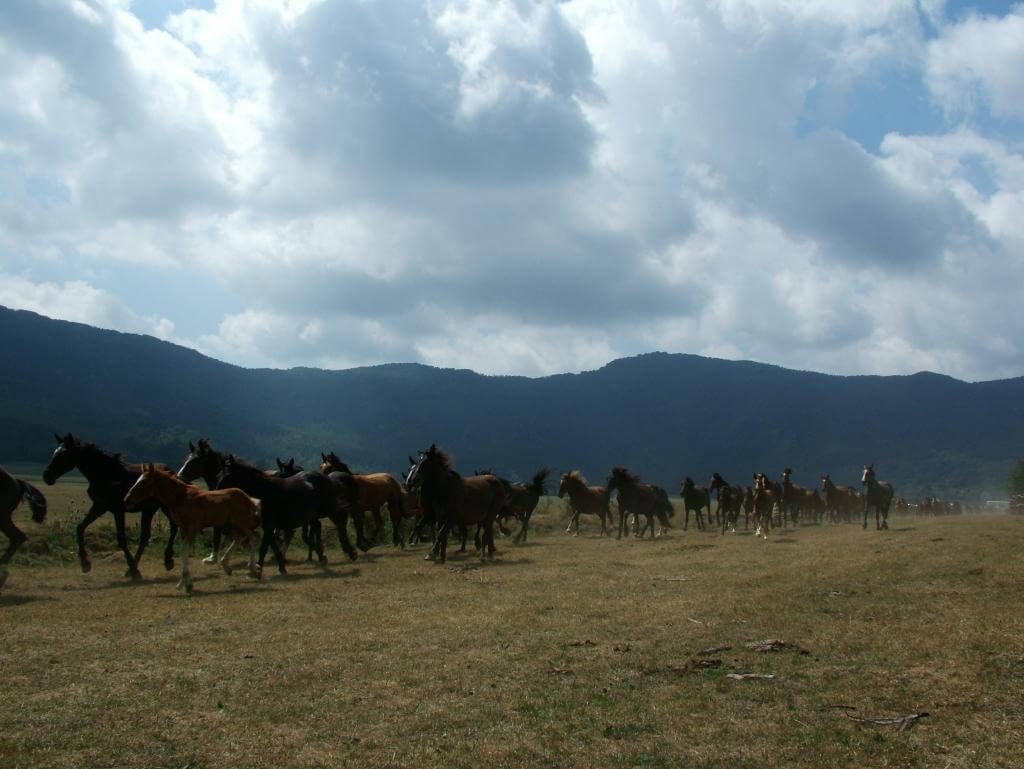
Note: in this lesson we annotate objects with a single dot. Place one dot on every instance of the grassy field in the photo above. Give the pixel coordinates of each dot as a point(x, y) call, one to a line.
point(565, 652)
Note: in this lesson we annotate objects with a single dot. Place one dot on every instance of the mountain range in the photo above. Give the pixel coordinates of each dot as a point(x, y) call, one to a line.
point(664, 415)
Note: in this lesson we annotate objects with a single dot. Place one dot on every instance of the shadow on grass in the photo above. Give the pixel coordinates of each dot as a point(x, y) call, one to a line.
point(21, 600)
point(782, 540)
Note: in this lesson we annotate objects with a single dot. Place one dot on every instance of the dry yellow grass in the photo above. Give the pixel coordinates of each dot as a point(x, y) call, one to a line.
point(564, 652)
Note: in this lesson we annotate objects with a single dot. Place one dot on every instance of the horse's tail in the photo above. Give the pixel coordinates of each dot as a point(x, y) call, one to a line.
point(36, 500)
point(539, 480)
point(666, 503)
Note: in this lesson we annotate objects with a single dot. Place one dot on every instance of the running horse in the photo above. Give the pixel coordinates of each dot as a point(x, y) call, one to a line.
point(109, 479)
point(288, 503)
point(695, 499)
point(194, 510)
point(840, 501)
point(766, 496)
point(636, 498)
point(452, 500)
point(878, 496)
point(584, 500)
point(12, 492)
point(522, 501)
point(730, 500)
point(374, 490)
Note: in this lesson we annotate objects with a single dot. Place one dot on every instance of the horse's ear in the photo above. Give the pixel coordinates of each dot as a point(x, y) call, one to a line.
point(280, 464)
point(323, 457)
point(59, 439)
point(412, 461)
point(191, 448)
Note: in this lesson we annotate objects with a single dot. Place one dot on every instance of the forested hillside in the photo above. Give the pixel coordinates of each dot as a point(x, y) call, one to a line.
point(666, 416)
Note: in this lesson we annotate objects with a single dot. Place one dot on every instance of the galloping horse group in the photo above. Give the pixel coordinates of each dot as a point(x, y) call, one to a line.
point(241, 499)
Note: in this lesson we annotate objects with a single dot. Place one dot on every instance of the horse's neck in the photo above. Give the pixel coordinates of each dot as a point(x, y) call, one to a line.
point(96, 465)
point(170, 490)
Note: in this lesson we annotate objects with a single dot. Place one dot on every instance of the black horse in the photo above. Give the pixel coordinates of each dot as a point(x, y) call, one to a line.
point(451, 500)
point(109, 478)
point(12, 491)
point(636, 498)
point(730, 501)
point(695, 499)
point(289, 503)
point(878, 496)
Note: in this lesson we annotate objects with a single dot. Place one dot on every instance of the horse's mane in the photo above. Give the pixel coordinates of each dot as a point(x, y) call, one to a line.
point(574, 475)
point(625, 475)
point(114, 457)
point(443, 457)
point(245, 466)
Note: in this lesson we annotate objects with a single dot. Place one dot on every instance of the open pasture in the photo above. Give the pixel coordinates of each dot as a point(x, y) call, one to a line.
point(564, 652)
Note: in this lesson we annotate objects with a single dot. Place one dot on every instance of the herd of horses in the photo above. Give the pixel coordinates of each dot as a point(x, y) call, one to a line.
point(265, 508)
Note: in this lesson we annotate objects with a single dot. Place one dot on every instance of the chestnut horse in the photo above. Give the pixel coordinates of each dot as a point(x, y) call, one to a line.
point(584, 500)
point(636, 498)
point(878, 496)
point(454, 501)
point(695, 499)
point(374, 490)
point(12, 491)
point(109, 480)
point(194, 510)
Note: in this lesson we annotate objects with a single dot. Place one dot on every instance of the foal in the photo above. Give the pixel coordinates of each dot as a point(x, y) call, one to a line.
point(193, 510)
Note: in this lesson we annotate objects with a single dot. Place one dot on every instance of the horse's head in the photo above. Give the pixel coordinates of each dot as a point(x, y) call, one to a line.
point(869, 474)
point(230, 474)
point(287, 469)
point(432, 465)
point(64, 458)
point(201, 462)
point(786, 473)
point(716, 482)
point(142, 489)
point(332, 463)
point(687, 487)
point(826, 481)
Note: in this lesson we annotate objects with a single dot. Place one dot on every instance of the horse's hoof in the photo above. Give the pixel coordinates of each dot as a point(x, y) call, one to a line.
point(168, 564)
point(188, 589)
point(227, 569)
point(429, 557)
point(86, 567)
point(211, 558)
point(353, 556)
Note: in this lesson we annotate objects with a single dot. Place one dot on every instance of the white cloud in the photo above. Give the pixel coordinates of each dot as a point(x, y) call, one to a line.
point(979, 62)
point(78, 301)
point(520, 187)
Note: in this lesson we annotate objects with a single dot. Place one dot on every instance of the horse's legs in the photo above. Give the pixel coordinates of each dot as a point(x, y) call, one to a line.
point(224, 557)
point(172, 534)
point(254, 566)
point(16, 537)
point(83, 558)
point(270, 541)
point(213, 556)
point(186, 573)
point(340, 521)
point(145, 531)
point(122, 542)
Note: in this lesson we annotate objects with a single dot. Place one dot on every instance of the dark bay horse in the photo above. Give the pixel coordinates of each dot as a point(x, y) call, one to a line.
point(730, 500)
point(878, 496)
point(584, 500)
point(374, 490)
point(695, 499)
point(194, 510)
point(12, 492)
point(109, 480)
point(841, 502)
point(637, 498)
point(454, 501)
point(289, 503)
point(767, 496)
point(523, 501)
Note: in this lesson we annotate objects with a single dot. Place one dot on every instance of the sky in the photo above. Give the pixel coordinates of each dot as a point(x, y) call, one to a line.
point(519, 186)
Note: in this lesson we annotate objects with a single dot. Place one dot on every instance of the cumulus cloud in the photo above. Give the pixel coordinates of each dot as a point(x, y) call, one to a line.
point(521, 187)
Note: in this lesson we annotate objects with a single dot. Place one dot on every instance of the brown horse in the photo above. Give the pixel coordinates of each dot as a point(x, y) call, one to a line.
point(454, 501)
point(584, 500)
point(522, 501)
point(730, 500)
point(841, 502)
point(637, 498)
point(374, 490)
point(12, 491)
point(766, 496)
point(695, 499)
point(878, 495)
point(193, 510)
